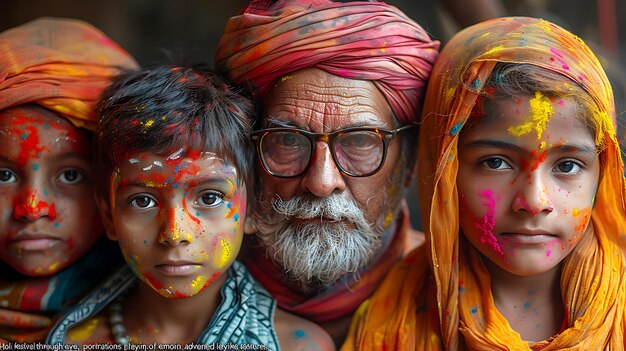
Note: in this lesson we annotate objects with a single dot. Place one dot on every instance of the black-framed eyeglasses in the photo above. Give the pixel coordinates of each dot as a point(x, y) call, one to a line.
point(357, 152)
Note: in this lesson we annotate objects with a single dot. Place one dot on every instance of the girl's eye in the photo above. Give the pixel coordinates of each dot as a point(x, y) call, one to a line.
point(70, 176)
point(569, 167)
point(495, 163)
point(142, 202)
point(7, 176)
point(210, 199)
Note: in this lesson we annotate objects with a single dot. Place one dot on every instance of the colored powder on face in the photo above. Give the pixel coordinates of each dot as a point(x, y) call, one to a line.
point(223, 253)
point(186, 211)
point(489, 222)
point(53, 266)
point(197, 284)
point(83, 331)
point(34, 207)
point(540, 112)
point(548, 253)
point(299, 334)
point(29, 146)
point(156, 285)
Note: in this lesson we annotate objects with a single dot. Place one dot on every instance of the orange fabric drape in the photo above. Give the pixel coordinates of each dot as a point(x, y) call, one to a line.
point(419, 306)
point(60, 64)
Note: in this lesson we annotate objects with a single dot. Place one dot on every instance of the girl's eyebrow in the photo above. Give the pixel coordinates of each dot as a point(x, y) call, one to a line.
point(490, 143)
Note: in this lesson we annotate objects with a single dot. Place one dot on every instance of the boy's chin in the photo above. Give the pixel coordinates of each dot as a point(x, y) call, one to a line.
point(38, 265)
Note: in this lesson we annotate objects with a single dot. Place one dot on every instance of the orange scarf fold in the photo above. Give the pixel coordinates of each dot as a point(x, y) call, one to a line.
point(60, 64)
point(439, 297)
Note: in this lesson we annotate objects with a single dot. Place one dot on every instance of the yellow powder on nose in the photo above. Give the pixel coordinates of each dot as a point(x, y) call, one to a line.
point(223, 254)
point(540, 112)
point(198, 283)
point(83, 331)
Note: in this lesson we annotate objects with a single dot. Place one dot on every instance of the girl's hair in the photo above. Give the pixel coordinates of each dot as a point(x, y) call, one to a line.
point(509, 80)
point(166, 108)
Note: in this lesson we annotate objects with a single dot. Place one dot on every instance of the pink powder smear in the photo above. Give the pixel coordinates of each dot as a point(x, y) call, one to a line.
point(489, 222)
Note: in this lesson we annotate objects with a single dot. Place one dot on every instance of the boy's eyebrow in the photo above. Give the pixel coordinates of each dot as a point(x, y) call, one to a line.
point(147, 183)
point(578, 148)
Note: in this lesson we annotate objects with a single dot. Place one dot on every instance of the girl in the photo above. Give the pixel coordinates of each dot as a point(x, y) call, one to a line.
point(522, 192)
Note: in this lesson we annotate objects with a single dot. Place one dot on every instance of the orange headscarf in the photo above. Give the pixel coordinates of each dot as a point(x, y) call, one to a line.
point(60, 64)
point(419, 306)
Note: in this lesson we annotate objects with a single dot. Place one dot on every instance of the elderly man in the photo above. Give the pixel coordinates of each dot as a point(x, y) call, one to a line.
point(340, 87)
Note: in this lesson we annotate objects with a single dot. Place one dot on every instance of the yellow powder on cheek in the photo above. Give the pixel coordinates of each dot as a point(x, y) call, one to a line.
point(53, 266)
point(222, 254)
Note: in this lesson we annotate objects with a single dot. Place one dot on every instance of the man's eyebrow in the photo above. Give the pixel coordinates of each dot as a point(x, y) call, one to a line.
point(578, 148)
point(279, 123)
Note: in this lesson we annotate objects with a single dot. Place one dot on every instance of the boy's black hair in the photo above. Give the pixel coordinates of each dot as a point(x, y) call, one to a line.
point(165, 108)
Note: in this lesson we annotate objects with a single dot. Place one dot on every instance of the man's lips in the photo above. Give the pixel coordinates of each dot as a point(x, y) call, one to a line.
point(34, 242)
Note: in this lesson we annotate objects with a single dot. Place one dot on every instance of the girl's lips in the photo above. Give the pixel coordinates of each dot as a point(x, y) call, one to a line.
point(528, 238)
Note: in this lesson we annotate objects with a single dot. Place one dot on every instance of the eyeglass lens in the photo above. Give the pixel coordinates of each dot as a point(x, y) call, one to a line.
point(287, 153)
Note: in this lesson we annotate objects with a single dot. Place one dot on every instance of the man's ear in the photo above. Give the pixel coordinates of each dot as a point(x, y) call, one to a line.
point(106, 216)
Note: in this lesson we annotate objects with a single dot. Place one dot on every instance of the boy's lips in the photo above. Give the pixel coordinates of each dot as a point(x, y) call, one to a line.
point(178, 268)
point(34, 242)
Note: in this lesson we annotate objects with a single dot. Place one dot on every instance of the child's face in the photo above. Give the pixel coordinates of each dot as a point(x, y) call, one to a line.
point(49, 216)
point(526, 183)
point(179, 219)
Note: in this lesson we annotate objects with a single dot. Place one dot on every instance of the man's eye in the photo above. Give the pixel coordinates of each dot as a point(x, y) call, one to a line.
point(70, 176)
point(495, 163)
point(7, 176)
point(142, 202)
point(210, 199)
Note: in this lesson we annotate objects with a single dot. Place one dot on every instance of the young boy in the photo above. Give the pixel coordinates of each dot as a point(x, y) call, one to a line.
point(175, 168)
point(52, 73)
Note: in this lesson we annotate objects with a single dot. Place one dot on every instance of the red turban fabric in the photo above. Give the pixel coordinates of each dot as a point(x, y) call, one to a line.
point(356, 40)
point(60, 64)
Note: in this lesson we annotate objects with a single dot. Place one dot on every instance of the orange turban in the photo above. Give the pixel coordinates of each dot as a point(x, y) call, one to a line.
point(440, 297)
point(356, 40)
point(60, 64)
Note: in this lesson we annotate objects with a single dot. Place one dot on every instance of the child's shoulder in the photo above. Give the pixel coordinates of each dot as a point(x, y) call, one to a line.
point(94, 330)
point(296, 333)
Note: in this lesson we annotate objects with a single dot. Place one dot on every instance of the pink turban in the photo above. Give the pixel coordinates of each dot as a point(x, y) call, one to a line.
point(356, 40)
point(60, 64)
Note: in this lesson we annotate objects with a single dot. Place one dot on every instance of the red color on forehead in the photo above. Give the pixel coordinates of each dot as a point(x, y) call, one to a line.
point(29, 145)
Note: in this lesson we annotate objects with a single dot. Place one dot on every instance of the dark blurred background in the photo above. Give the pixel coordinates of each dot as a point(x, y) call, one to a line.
point(191, 28)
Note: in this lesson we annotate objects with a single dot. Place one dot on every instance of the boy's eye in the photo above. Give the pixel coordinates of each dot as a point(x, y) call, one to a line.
point(495, 163)
point(142, 202)
point(7, 176)
point(210, 199)
point(70, 176)
point(568, 167)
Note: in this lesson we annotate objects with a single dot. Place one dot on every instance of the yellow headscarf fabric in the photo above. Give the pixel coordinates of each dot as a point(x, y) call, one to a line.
point(439, 297)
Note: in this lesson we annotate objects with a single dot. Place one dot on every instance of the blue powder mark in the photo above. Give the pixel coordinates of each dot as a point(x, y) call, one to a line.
point(197, 214)
point(526, 304)
point(476, 83)
point(456, 128)
point(46, 126)
point(522, 41)
point(23, 136)
point(35, 167)
point(45, 192)
point(236, 216)
point(474, 310)
point(56, 224)
point(175, 185)
point(39, 154)
point(299, 334)
point(229, 205)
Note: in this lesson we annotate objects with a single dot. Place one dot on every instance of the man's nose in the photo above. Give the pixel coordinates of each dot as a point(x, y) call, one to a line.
point(323, 177)
point(29, 206)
